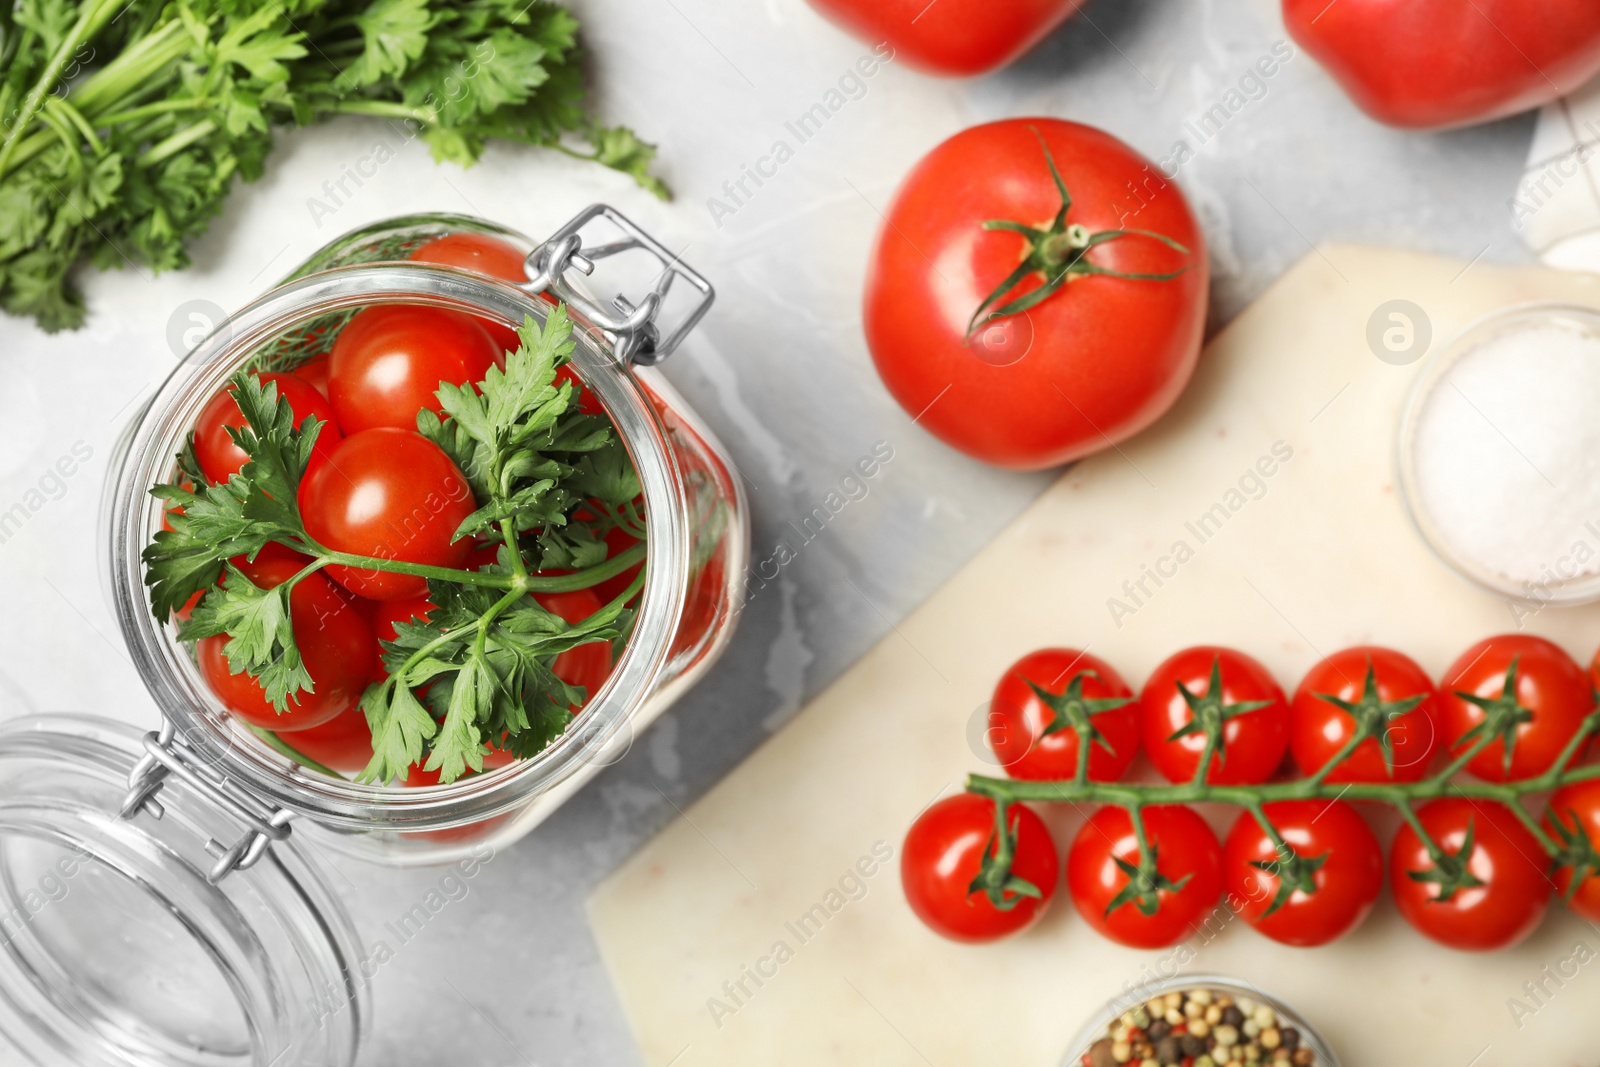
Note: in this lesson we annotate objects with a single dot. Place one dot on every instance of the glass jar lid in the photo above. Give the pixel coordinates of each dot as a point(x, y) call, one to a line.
point(116, 947)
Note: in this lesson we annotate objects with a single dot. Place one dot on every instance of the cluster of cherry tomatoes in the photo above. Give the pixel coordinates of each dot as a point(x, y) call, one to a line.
point(375, 487)
point(1480, 878)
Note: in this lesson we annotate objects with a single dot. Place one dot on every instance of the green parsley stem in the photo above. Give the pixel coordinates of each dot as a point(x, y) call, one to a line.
point(519, 569)
point(279, 745)
point(94, 15)
point(590, 576)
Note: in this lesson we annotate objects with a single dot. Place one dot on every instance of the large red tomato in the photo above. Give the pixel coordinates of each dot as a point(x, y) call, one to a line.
point(220, 458)
point(343, 743)
point(388, 362)
point(1036, 703)
point(1319, 893)
point(485, 255)
point(1090, 364)
point(335, 643)
point(1486, 890)
point(389, 494)
point(1145, 908)
point(1516, 689)
point(1209, 690)
point(942, 856)
point(1385, 688)
point(954, 38)
point(1431, 63)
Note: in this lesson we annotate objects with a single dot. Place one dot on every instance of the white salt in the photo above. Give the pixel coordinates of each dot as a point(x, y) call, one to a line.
point(1507, 455)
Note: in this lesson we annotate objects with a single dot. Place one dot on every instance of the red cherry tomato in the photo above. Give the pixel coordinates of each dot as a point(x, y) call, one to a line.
point(618, 541)
point(343, 743)
point(486, 255)
point(1186, 884)
point(1383, 686)
point(953, 38)
point(335, 643)
point(383, 614)
point(1033, 737)
point(1248, 703)
point(220, 458)
point(1573, 817)
point(1506, 889)
point(1087, 367)
point(314, 372)
point(943, 853)
point(1430, 63)
point(1543, 709)
point(1320, 894)
point(388, 362)
point(391, 494)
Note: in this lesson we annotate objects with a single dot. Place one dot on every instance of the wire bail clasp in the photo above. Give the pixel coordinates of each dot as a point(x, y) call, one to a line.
point(635, 334)
point(168, 754)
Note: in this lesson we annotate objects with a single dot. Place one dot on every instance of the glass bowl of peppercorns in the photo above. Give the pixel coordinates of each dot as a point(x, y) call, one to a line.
point(1198, 1021)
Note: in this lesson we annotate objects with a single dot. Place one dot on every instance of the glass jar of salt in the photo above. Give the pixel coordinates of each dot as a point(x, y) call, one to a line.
point(1500, 454)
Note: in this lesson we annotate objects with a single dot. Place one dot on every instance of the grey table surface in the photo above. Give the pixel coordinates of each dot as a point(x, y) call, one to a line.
point(511, 975)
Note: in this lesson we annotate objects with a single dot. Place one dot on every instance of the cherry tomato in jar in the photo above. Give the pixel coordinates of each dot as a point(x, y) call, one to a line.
point(1317, 892)
point(335, 643)
point(1115, 333)
point(1381, 687)
point(390, 494)
point(1145, 906)
point(953, 38)
point(1524, 695)
point(390, 359)
point(617, 541)
point(1426, 64)
point(485, 255)
point(1487, 889)
point(1572, 820)
point(314, 372)
point(1209, 690)
point(343, 743)
point(383, 614)
point(220, 458)
point(942, 857)
point(1045, 699)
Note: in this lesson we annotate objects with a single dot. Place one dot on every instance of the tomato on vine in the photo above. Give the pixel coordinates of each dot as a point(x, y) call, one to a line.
point(1573, 821)
point(1318, 888)
point(1145, 898)
point(1378, 692)
point(1521, 698)
point(1480, 885)
point(1051, 700)
point(1218, 704)
point(970, 878)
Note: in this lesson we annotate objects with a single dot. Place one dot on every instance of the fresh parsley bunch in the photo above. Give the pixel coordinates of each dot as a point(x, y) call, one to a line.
point(550, 482)
point(124, 123)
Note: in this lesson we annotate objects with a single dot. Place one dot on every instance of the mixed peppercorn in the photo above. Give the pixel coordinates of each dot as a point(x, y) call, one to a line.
point(1199, 1028)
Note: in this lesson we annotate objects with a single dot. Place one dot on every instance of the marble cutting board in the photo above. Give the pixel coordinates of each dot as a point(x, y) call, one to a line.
point(766, 925)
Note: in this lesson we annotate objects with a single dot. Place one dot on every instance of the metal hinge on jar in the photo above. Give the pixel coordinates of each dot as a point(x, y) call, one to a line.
point(635, 335)
point(168, 754)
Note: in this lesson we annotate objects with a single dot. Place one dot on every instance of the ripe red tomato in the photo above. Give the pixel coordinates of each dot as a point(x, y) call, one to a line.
point(953, 38)
point(1541, 711)
point(383, 614)
point(1034, 737)
point(1087, 367)
point(588, 665)
point(390, 494)
point(1430, 63)
point(486, 255)
point(314, 371)
point(335, 643)
point(1324, 891)
point(220, 458)
point(388, 361)
point(1504, 890)
point(1573, 816)
point(1383, 686)
point(1223, 688)
point(941, 857)
point(343, 743)
point(1102, 868)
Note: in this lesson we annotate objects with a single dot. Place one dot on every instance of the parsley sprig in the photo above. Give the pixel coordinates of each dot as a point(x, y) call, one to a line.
point(123, 125)
point(550, 482)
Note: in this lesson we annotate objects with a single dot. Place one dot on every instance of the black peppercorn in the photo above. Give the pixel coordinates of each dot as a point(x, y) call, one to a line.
point(1291, 1038)
point(1232, 1015)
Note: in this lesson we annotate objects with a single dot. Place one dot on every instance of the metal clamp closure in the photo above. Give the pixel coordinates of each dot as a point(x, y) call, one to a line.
point(168, 754)
point(634, 334)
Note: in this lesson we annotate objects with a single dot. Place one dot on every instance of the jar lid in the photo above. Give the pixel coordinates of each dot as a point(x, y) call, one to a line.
point(115, 946)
